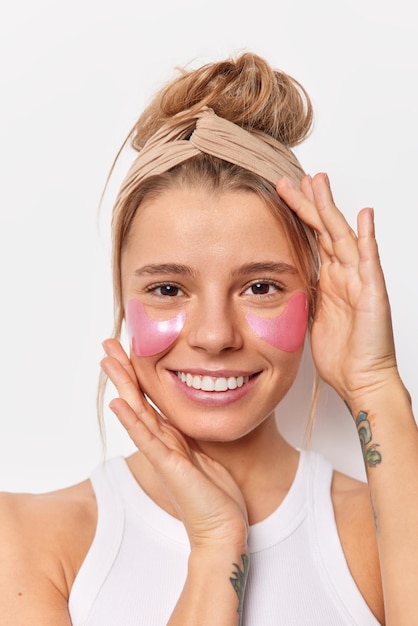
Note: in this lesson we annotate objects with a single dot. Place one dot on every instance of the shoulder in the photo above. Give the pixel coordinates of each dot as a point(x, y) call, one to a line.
point(355, 524)
point(43, 541)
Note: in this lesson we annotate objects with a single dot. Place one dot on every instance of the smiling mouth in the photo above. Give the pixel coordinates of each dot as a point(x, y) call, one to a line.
point(213, 383)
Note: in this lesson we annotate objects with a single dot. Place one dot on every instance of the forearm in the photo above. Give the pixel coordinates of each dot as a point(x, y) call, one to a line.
point(214, 589)
point(389, 438)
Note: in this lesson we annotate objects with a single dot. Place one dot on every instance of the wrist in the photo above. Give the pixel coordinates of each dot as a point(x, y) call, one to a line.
point(219, 564)
point(228, 536)
point(377, 395)
point(215, 586)
point(385, 423)
point(217, 553)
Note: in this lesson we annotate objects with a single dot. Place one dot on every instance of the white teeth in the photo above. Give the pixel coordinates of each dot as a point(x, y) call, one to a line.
point(232, 383)
point(221, 384)
point(208, 383)
point(212, 383)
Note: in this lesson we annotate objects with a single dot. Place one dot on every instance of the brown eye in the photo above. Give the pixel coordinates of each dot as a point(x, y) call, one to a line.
point(261, 289)
point(168, 290)
point(265, 288)
point(164, 290)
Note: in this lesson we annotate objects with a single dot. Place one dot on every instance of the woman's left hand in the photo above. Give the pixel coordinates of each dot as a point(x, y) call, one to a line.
point(351, 335)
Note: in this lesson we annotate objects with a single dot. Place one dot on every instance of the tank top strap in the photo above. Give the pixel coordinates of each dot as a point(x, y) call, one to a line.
point(331, 559)
point(106, 541)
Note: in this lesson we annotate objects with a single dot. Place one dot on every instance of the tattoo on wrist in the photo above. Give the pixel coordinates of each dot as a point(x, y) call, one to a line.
point(238, 581)
point(371, 455)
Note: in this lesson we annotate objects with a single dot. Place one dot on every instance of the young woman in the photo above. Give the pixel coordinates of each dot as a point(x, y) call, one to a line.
point(225, 256)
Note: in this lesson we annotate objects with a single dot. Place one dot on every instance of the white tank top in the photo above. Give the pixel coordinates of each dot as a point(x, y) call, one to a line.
point(135, 569)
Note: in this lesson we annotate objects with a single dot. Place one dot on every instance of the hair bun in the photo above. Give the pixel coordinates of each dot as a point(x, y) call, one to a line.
point(245, 90)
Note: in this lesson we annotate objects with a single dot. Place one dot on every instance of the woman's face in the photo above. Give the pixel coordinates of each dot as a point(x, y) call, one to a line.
point(215, 304)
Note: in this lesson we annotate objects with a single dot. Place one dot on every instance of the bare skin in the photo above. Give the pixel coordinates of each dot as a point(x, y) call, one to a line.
point(44, 540)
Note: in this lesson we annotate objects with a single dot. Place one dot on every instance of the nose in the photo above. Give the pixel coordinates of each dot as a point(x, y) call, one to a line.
point(214, 327)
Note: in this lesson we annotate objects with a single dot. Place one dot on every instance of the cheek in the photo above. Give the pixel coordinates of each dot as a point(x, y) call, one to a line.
point(287, 331)
point(148, 336)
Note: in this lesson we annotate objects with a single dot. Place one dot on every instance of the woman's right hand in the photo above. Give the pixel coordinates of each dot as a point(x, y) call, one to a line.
point(204, 494)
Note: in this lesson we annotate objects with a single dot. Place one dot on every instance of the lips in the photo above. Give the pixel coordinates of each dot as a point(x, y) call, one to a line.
point(213, 383)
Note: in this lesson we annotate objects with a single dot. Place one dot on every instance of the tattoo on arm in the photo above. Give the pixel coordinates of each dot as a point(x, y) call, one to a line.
point(238, 581)
point(375, 517)
point(371, 455)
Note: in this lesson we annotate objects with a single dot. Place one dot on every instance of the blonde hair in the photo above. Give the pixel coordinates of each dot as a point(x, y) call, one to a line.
point(250, 93)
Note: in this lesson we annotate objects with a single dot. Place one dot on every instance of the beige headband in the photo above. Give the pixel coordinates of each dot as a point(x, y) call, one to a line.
point(206, 132)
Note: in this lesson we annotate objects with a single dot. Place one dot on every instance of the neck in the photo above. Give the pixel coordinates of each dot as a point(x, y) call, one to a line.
point(261, 451)
point(262, 463)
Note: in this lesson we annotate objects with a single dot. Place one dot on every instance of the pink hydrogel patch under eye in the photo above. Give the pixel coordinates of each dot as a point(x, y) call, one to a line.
point(287, 331)
point(148, 336)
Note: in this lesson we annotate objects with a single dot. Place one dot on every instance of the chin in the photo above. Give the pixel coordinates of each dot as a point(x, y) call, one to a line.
point(213, 428)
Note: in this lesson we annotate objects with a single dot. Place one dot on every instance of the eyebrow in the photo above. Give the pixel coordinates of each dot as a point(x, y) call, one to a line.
point(185, 270)
point(165, 268)
point(261, 267)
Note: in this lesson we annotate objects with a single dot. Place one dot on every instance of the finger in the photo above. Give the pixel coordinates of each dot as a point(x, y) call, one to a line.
point(129, 390)
point(146, 439)
point(343, 237)
point(302, 202)
point(370, 267)
point(169, 456)
point(306, 187)
point(366, 235)
point(113, 348)
point(324, 241)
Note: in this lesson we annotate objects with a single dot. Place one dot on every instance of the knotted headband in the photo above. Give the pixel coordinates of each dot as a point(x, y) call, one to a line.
point(206, 132)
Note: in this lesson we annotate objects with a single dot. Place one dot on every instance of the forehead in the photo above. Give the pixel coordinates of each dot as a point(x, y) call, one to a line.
point(193, 222)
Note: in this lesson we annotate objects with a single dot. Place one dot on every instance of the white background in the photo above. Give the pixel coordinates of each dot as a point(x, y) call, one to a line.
point(74, 76)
